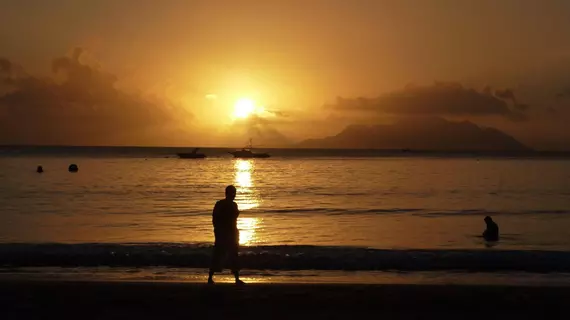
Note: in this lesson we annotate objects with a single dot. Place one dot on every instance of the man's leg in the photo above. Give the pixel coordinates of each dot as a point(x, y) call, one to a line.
point(216, 262)
point(234, 259)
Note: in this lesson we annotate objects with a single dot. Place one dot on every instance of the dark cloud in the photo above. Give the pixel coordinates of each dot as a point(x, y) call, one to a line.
point(521, 106)
point(488, 90)
point(551, 110)
point(509, 95)
point(83, 106)
point(563, 94)
point(277, 113)
point(440, 99)
point(264, 130)
point(6, 69)
point(5, 66)
point(506, 94)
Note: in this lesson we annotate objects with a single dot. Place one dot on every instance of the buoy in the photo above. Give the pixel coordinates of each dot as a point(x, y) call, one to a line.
point(40, 169)
point(73, 168)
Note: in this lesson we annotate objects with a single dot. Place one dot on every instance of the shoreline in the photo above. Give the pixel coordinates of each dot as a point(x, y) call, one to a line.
point(277, 277)
point(155, 300)
point(284, 257)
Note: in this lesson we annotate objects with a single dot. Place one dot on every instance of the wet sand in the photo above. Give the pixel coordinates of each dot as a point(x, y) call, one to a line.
point(160, 300)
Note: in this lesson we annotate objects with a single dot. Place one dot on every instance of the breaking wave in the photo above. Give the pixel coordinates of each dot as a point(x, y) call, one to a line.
point(282, 257)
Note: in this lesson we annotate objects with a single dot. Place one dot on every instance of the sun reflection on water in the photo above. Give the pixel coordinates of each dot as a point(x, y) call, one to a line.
point(247, 199)
point(244, 179)
point(248, 230)
point(244, 165)
point(246, 195)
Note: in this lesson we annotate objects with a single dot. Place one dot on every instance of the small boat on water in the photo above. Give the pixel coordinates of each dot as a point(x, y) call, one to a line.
point(192, 155)
point(247, 153)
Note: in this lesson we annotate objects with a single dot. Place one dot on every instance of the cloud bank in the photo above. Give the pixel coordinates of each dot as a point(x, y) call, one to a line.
point(80, 104)
point(439, 99)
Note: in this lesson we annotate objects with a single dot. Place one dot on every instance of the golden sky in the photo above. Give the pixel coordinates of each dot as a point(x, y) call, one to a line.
point(193, 60)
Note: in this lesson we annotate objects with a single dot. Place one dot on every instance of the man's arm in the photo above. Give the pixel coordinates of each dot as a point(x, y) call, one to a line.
point(215, 213)
point(236, 210)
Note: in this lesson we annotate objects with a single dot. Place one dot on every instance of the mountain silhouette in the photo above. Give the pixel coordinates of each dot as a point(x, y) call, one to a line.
point(420, 133)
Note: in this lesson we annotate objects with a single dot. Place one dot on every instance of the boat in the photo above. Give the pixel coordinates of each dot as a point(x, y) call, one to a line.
point(247, 153)
point(192, 155)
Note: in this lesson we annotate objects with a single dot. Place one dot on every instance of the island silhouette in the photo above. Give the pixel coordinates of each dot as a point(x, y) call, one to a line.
point(420, 133)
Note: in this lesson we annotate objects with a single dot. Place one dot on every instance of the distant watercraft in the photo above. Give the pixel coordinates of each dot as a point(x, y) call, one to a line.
point(192, 155)
point(246, 153)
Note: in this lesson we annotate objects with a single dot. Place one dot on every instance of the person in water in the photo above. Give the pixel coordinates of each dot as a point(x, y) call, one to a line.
point(226, 233)
point(492, 231)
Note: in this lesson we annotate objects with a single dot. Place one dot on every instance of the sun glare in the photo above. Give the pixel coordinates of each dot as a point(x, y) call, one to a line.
point(243, 108)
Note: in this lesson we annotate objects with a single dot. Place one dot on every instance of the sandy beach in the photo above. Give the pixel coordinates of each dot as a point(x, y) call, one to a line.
point(160, 300)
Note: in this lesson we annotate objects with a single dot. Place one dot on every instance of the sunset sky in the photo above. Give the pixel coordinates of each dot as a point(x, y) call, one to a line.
point(173, 72)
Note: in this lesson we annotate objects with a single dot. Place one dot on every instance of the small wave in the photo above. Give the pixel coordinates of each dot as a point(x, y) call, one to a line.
point(281, 257)
point(424, 212)
point(429, 213)
point(337, 211)
point(483, 212)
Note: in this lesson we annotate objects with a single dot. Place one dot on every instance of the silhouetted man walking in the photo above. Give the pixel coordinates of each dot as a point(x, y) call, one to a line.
point(224, 219)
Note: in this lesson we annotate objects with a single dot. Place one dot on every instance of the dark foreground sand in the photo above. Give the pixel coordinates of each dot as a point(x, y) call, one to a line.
point(128, 300)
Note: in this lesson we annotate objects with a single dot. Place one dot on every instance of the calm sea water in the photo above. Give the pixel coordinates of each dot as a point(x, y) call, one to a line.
point(297, 212)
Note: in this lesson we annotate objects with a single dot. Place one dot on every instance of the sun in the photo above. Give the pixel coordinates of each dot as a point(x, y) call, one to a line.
point(243, 108)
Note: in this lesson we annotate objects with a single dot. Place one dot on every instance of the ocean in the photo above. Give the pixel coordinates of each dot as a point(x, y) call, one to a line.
point(305, 213)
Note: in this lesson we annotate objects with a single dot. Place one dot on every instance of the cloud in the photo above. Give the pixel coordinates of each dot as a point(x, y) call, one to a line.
point(6, 73)
point(564, 93)
point(506, 94)
point(5, 66)
point(264, 127)
point(439, 99)
point(268, 136)
point(276, 113)
point(81, 105)
point(509, 95)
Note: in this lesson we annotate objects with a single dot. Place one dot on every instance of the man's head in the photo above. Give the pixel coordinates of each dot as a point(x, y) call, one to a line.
point(488, 219)
point(230, 192)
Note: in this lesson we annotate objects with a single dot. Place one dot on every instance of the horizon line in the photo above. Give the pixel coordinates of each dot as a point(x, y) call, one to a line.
point(291, 147)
